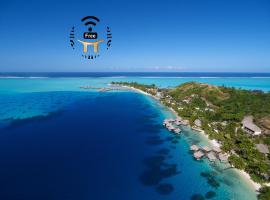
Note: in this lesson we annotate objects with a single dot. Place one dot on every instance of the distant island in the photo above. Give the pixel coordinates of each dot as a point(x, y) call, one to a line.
point(239, 120)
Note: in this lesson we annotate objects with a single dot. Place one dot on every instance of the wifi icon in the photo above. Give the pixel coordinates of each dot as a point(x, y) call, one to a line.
point(90, 20)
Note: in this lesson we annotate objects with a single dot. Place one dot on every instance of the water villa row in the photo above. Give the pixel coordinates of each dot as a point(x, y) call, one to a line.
point(211, 153)
point(172, 125)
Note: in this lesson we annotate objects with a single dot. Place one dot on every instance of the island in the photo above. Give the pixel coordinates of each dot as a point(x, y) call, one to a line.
point(238, 120)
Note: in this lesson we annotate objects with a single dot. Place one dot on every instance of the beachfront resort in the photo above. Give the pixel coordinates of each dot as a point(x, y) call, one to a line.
point(236, 121)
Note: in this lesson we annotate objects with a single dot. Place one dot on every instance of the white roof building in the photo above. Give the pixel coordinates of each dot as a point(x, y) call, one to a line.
point(250, 127)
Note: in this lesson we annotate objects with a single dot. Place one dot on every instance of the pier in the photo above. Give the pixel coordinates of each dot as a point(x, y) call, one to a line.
point(100, 89)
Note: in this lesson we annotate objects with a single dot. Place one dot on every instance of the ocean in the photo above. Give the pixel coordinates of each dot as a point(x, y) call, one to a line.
point(60, 142)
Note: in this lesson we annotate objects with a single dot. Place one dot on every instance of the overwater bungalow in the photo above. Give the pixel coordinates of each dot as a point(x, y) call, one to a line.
point(170, 120)
point(216, 149)
point(170, 128)
point(194, 148)
point(211, 156)
point(165, 122)
point(198, 155)
point(177, 130)
point(177, 122)
point(223, 157)
point(206, 149)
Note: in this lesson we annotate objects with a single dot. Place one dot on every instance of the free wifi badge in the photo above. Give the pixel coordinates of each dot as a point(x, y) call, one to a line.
point(90, 42)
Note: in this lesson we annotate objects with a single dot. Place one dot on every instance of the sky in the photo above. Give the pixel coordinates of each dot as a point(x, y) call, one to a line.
point(153, 35)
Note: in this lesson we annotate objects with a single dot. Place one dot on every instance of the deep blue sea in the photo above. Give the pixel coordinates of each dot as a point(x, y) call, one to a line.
point(59, 142)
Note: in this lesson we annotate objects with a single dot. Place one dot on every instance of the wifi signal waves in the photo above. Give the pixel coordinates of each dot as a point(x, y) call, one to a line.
point(89, 21)
point(71, 37)
point(109, 37)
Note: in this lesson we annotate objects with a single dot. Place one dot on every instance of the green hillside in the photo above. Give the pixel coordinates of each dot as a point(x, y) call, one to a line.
point(221, 110)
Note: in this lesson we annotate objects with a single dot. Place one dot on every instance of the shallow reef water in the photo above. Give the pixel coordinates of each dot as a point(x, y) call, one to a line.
point(91, 145)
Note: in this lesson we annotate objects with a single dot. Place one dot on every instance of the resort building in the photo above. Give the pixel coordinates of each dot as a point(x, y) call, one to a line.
point(159, 95)
point(250, 127)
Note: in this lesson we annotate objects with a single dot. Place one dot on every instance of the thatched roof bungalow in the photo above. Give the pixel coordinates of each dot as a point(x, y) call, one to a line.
point(194, 148)
point(211, 156)
point(223, 157)
point(198, 155)
point(206, 149)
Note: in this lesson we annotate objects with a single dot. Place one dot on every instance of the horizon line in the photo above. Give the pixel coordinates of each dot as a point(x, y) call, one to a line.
point(267, 72)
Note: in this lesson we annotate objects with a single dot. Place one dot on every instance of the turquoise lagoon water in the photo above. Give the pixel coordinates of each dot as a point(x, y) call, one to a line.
point(63, 84)
point(60, 142)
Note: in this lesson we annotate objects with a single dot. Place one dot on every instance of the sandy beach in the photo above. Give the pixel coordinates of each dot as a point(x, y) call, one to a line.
point(213, 143)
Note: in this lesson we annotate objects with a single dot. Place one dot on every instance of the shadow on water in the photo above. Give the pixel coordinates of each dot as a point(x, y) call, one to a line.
point(211, 178)
point(154, 161)
point(151, 129)
point(163, 151)
point(197, 197)
point(164, 188)
point(154, 175)
point(227, 181)
point(210, 195)
point(157, 170)
point(154, 140)
point(177, 137)
point(174, 141)
point(15, 123)
point(169, 138)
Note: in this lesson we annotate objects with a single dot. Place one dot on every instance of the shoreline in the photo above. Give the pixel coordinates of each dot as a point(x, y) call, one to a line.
point(214, 143)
